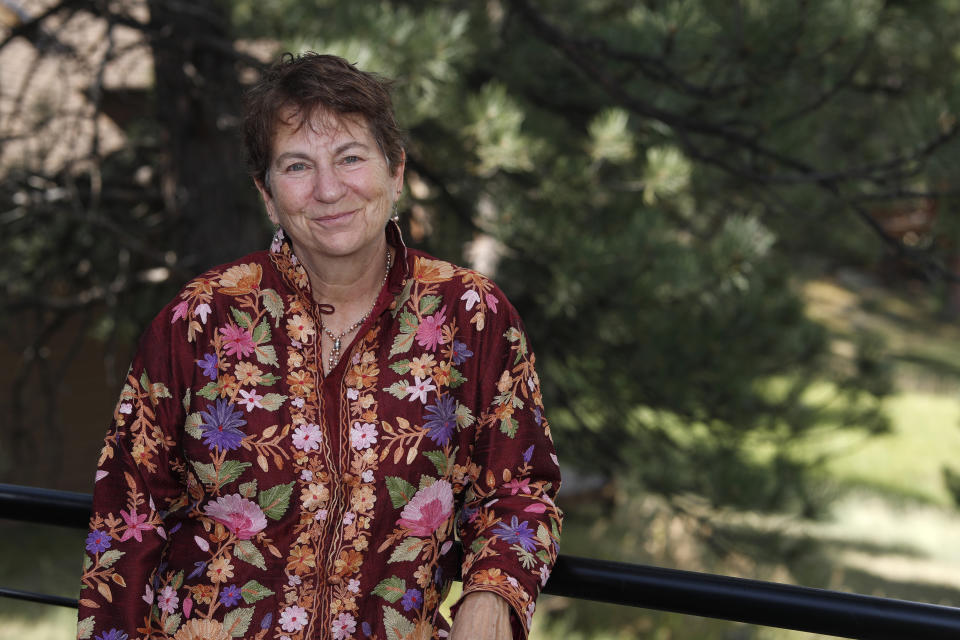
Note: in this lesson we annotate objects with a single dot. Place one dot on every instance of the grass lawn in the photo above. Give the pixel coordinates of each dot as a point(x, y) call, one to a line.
point(909, 460)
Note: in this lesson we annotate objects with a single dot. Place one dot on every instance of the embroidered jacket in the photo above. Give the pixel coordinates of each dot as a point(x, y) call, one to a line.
point(242, 494)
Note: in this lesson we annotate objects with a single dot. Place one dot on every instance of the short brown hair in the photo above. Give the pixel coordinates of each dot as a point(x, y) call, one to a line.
point(306, 83)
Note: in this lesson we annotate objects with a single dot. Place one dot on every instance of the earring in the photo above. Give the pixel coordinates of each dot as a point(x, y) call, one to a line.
point(277, 243)
point(395, 216)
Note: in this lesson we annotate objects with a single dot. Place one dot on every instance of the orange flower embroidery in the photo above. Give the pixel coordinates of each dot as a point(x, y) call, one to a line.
point(241, 279)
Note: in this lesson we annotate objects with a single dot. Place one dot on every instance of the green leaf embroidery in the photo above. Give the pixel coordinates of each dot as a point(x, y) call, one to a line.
point(275, 500)
point(85, 628)
point(268, 380)
point(109, 558)
point(248, 489)
point(230, 471)
point(192, 425)
point(439, 460)
point(244, 550)
point(266, 354)
point(478, 544)
point(262, 332)
point(144, 381)
point(464, 416)
point(401, 366)
point(186, 399)
point(512, 334)
point(402, 343)
point(407, 550)
point(409, 323)
point(272, 401)
point(171, 624)
point(238, 621)
point(400, 491)
point(526, 558)
point(205, 472)
point(177, 581)
point(254, 591)
point(398, 389)
point(544, 556)
point(456, 378)
point(273, 303)
point(396, 625)
point(391, 589)
point(509, 426)
point(402, 298)
point(242, 317)
point(523, 344)
point(543, 535)
point(429, 304)
point(209, 391)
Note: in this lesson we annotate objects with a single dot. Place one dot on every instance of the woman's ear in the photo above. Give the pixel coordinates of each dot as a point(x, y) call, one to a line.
point(264, 189)
point(398, 170)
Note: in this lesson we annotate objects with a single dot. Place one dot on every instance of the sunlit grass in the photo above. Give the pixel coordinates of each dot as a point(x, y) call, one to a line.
point(39, 623)
point(908, 461)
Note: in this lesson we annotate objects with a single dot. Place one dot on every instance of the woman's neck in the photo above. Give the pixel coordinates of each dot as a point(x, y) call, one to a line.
point(350, 283)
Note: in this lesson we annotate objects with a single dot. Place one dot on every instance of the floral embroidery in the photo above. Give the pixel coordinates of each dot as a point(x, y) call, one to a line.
point(241, 494)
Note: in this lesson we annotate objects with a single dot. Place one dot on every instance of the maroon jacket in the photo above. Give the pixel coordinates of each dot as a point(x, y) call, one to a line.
point(242, 494)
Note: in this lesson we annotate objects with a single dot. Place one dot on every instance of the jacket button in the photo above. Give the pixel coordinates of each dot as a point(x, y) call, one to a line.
point(334, 580)
point(348, 478)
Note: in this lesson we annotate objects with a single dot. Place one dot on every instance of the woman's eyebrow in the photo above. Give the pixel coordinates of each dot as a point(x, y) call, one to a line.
point(348, 145)
point(287, 155)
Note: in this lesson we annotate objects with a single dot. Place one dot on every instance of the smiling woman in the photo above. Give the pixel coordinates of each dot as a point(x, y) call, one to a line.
point(304, 432)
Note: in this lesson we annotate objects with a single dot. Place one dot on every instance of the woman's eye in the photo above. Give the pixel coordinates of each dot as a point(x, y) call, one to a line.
point(297, 166)
point(351, 159)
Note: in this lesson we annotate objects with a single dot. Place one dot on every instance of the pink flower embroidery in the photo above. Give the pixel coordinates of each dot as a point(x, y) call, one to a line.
point(241, 516)
point(362, 435)
point(168, 600)
point(429, 333)
point(492, 302)
point(136, 522)
point(179, 311)
point(202, 310)
point(428, 509)
point(237, 341)
point(343, 626)
point(251, 400)
point(307, 437)
point(470, 298)
point(418, 390)
point(518, 485)
point(293, 618)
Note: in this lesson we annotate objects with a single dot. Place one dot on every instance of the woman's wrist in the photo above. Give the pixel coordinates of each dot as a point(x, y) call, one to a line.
point(483, 615)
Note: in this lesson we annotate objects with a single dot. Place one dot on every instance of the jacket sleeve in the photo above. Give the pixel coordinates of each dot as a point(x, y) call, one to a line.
point(509, 524)
point(139, 482)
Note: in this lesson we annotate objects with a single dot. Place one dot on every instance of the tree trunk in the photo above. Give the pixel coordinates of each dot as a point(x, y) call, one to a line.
point(205, 186)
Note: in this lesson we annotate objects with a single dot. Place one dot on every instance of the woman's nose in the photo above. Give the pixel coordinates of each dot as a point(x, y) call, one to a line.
point(327, 186)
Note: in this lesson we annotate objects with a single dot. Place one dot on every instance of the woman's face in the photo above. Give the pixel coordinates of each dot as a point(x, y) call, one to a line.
point(330, 187)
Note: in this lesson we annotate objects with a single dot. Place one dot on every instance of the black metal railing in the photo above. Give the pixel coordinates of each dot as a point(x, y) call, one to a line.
point(771, 604)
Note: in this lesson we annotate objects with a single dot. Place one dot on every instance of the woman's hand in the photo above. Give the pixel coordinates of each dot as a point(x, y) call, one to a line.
point(482, 616)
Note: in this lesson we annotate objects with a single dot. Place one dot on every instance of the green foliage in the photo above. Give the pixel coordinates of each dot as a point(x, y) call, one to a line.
point(647, 181)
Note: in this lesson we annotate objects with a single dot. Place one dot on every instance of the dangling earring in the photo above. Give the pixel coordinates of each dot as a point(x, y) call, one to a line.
point(396, 216)
point(277, 243)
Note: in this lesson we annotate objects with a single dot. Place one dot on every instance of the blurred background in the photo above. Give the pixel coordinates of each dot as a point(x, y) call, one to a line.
point(732, 228)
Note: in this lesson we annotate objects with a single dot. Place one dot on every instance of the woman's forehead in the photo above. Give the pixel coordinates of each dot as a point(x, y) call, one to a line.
point(328, 126)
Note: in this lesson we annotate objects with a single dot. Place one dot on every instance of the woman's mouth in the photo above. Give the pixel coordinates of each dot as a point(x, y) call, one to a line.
point(335, 217)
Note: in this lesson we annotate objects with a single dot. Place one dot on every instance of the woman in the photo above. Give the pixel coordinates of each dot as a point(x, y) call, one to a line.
point(304, 431)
